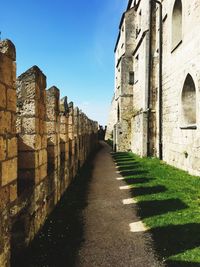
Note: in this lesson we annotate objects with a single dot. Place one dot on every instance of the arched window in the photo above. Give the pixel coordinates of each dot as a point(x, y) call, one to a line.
point(177, 23)
point(189, 101)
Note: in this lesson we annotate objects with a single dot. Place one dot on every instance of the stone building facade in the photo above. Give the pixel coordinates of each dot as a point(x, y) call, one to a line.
point(44, 141)
point(164, 82)
point(122, 101)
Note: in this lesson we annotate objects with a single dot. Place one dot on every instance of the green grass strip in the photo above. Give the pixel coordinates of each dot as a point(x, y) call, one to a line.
point(168, 203)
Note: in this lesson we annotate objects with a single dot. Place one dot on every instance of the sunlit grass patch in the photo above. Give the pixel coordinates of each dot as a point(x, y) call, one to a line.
point(168, 204)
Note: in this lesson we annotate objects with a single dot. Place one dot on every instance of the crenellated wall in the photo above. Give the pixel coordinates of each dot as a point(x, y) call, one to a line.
point(44, 141)
point(8, 145)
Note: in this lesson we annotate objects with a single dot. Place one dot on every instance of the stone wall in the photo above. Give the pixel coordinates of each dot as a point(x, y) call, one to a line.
point(8, 145)
point(112, 120)
point(181, 141)
point(44, 141)
point(173, 125)
point(119, 124)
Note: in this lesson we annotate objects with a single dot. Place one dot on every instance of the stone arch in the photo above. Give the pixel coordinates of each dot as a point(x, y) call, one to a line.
point(188, 100)
point(176, 23)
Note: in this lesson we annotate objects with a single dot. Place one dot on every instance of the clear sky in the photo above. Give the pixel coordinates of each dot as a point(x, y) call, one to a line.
point(72, 41)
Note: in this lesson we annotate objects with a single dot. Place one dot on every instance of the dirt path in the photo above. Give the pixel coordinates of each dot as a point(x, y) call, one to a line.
point(108, 239)
point(90, 227)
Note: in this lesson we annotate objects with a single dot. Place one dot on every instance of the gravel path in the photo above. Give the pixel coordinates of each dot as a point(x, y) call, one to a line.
point(91, 226)
point(108, 239)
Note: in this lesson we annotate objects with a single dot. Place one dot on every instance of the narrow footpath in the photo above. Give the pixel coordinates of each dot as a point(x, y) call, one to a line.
point(91, 225)
point(108, 239)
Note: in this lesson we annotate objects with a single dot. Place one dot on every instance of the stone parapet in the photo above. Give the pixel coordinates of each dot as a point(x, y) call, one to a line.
point(8, 145)
point(44, 142)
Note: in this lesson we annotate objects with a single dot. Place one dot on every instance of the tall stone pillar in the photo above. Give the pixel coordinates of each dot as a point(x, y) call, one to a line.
point(8, 145)
point(71, 140)
point(86, 136)
point(81, 139)
point(32, 148)
point(53, 145)
point(76, 139)
point(64, 142)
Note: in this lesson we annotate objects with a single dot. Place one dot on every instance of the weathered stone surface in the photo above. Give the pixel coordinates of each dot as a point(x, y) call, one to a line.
point(8, 146)
point(11, 100)
point(134, 123)
point(7, 48)
point(13, 192)
point(40, 151)
point(5, 122)
point(2, 148)
point(3, 96)
point(12, 147)
point(64, 105)
point(9, 173)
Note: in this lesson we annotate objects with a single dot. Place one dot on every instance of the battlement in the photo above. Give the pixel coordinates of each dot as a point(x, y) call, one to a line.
point(44, 141)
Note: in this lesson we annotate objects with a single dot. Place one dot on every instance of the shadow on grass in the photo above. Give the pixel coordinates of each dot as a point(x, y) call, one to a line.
point(182, 264)
point(141, 191)
point(121, 154)
point(168, 240)
point(132, 172)
point(58, 243)
point(174, 239)
point(122, 158)
point(132, 181)
point(129, 167)
point(125, 161)
point(158, 207)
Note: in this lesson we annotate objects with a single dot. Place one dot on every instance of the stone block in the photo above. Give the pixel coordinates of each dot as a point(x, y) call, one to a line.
point(19, 125)
point(52, 151)
point(52, 139)
point(63, 119)
point(51, 127)
point(43, 172)
point(28, 177)
point(63, 138)
point(2, 148)
point(9, 171)
point(13, 123)
point(4, 197)
point(11, 100)
point(42, 157)
point(5, 122)
point(12, 147)
point(28, 160)
point(6, 73)
point(28, 142)
point(13, 192)
point(64, 109)
point(71, 120)
point(62, 147)
point(44, 141)
point(7, 48)
point(3, 96)
point(30, 125)
point(63, 129)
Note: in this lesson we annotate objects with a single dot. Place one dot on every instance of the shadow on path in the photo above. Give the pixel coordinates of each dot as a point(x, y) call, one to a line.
point(58, 243)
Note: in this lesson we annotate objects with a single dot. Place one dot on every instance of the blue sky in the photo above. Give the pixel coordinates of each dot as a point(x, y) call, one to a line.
point(72, 42)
